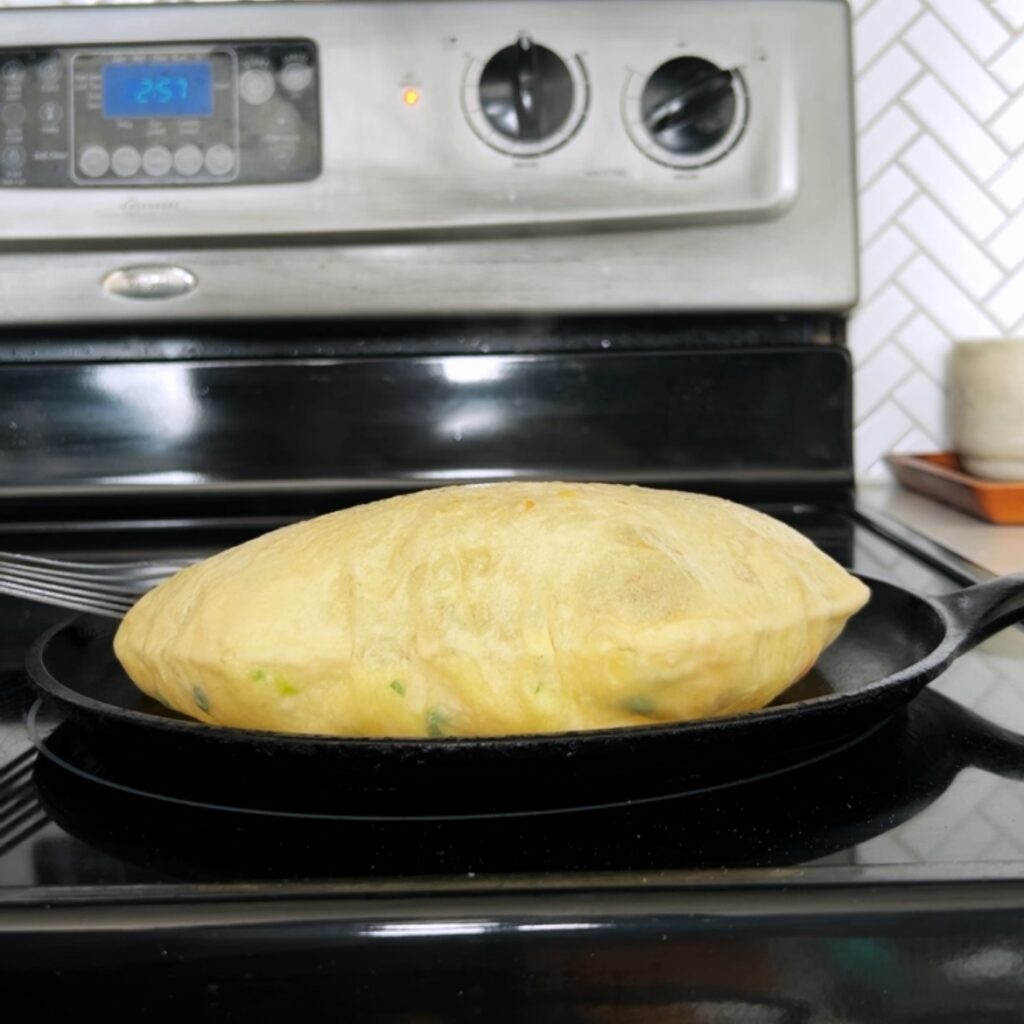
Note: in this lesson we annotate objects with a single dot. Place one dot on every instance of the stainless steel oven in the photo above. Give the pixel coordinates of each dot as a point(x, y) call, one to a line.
point(258, 261)
point(386, 158)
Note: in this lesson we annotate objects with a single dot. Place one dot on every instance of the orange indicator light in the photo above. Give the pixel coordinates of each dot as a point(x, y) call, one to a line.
point(410, 97)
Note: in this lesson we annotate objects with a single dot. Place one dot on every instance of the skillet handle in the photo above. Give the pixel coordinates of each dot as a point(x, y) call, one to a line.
point(979, 612)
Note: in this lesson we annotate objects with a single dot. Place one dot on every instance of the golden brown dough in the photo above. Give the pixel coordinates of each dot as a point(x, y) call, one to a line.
point(503, 608)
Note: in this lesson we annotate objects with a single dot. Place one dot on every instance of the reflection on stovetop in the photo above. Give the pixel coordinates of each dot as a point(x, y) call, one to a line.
point(938, 786)
point(805, 814)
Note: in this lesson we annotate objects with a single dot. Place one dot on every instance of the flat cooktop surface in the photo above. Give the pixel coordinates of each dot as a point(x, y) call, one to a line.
point(935, 792)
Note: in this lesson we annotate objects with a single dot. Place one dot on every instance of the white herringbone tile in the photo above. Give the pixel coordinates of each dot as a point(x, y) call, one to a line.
point(1012, 12)
point(943, 178)
point(880, 373)
point(880, 202)
point(877, 434)
point(937, 234)
point(890, 251)
point(1007, 304)
point(943, 300)
point(876, 320)
point(883, 82)
point(1007, 244)
point(878, 26)
point(914, 443)
point(924, 403)
point(1008, 127)
point(947, 120)
point(954, 65)
point(1009, 66)
point(1008, 185)
point(883, 141)
point(974, 24)
point(940, 94)
point(927, 345)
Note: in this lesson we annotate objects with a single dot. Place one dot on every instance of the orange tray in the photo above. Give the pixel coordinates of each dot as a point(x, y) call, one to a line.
point(940, 476)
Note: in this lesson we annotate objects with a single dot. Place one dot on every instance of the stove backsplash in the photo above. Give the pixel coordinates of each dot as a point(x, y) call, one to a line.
point(940, 123)
point(760, 424)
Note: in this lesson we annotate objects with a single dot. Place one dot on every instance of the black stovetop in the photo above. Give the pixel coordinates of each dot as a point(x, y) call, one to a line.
point(884, 882)
point(936, 791)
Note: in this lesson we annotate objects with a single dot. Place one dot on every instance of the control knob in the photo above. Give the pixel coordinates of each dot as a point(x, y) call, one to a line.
point(529, 98)
point(693, 110)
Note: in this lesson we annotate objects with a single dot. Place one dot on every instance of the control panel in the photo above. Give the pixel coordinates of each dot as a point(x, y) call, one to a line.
point(415, 156)
point(165, 115)
point(393, 116)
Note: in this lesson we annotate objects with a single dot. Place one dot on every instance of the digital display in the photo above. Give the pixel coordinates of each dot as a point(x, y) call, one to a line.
point(180, 89)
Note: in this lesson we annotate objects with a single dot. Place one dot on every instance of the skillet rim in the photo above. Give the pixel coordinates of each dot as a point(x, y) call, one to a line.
point(916, 675)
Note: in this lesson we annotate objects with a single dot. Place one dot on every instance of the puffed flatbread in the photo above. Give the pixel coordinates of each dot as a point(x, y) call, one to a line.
point(491, 610)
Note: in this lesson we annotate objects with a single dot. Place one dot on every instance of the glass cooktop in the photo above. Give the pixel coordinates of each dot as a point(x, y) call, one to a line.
point(936, 792)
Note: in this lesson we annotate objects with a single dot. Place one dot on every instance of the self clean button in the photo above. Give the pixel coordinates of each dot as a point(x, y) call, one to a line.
point(50, 112)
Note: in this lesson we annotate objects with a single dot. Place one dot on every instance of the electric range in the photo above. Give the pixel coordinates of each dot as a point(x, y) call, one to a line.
point(258, 262)
point(884, 879)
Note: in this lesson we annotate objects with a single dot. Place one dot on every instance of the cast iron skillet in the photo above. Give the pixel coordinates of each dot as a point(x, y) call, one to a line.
point(804, 814)
point(888, 652)
point(799, 815)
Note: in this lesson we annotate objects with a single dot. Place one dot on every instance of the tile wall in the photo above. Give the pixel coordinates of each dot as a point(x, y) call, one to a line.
point(940, 96)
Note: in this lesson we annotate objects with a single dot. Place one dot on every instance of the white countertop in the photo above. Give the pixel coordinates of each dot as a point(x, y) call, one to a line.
point(999, 549)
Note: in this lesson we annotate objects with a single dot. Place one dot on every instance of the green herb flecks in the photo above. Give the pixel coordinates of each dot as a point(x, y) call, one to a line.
point(285, 687)
point(437, 723)
point(201, 700)
point(639, 705)
point(396, 685)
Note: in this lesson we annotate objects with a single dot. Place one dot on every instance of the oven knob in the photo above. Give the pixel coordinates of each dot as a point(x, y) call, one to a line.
point(526, 92)
point(692, 109)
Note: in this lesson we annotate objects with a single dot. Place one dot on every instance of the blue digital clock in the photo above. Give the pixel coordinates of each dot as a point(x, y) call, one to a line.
point(181, 89)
